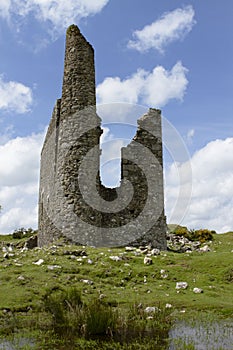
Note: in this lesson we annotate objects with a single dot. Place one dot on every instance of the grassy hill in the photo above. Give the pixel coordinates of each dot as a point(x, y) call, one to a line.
point(117, 277)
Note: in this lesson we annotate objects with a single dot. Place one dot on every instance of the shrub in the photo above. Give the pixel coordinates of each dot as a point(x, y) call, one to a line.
point(100, 319)
point(97, 320)
point(201, 235)
point(181, 231)
point(23, 233)
point(71, 316)
point(65, 308)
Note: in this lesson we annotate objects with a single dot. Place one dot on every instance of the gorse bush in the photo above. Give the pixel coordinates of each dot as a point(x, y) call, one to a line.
point(202, 235)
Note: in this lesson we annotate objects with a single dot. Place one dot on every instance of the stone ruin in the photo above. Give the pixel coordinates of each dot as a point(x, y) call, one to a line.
point(73, 203)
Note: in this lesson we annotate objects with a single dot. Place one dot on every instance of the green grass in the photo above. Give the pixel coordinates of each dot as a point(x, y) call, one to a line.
point(24, 286)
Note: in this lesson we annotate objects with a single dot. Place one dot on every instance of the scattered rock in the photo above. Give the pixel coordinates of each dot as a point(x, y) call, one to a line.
point(168, 306)
point(181, 285)
point(102, 296)
point(163, 274)
point(9, 247)
point(205, 249)
point(130, 249)
point(147, 260)
point(75, 252)
point(150, 309)
point(181, 244)
point(53, 267)
point(87, 281)
point(24, 249)
point(21, 278)
point(155, 252)
point(115, 258)
point(39, 262)
point(197, 290)
point(8, 251)
point(8, 255)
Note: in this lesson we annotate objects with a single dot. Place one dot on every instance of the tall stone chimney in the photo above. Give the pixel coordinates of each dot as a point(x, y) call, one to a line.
point(78, 90)
point(73, 203)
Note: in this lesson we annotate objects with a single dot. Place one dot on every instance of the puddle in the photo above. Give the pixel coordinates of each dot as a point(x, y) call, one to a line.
point(196, 334)
point(16, 344)
point(202, 336)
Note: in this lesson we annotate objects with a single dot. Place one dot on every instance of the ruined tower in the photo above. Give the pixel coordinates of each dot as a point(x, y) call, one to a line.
point(73, 203)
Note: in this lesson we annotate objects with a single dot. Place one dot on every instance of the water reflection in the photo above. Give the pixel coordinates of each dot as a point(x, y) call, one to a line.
point(202, 335)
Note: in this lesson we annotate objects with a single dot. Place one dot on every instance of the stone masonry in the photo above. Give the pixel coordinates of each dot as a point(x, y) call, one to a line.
point(73, 203)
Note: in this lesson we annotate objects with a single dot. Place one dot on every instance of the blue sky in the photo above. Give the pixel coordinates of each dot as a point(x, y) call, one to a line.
point(175, 55)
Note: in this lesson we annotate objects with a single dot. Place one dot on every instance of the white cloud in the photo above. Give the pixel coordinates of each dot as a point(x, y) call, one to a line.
point(4, 8)
point(19, 175)
point(170, 27)
point(154, 88)
point(211, 203)
point(15, 96)
point(56, 12)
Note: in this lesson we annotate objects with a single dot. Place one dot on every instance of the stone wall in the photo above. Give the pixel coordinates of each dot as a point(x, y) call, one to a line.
point(73, 203)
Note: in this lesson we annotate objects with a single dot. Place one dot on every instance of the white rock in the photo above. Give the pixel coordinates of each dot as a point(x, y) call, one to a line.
point(205, 249)
point(115, 258)
point(21, 278)
point(163, 274)
point(181, 285)
point(72, 257)
point(102, 296)
point(155, 251)
point(130, 249)
point(168, 306)
point(197, 290)
point(150, 309)
point(147, 260)
point(39, 262)
point(24, 249)
point(53, 267)
point(87, 281)
point(90, 261)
